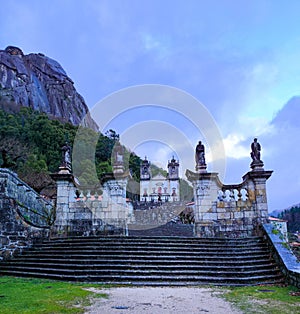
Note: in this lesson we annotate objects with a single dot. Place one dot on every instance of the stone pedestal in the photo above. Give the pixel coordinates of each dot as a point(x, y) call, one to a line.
point(256, 187)
point(201, 168)
point(118, 169)
point(257, 165)
point(65, 190)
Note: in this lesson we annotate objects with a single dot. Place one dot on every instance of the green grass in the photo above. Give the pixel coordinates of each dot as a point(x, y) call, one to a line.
point(264, 299)
point(22, 295)
point(19, 295)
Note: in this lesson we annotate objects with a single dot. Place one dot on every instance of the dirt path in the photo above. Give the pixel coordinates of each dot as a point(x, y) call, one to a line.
point(165, 300)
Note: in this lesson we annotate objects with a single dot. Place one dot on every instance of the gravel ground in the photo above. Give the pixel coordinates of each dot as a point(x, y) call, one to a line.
point(161, 300)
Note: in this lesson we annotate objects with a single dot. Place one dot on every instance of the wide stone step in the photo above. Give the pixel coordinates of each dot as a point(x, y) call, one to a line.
point(150, 246)
point(136, 261)
point(169, 240)
point(142, 272)
point(147, 267)
point(155, 280)
point(192, 241)
point(150, 250)
point(146, 256)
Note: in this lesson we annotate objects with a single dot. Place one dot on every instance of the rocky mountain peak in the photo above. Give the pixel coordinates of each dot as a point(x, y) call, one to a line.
point(39, 82)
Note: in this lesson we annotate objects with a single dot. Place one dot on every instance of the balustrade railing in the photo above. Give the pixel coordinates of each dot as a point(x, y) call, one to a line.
point(232, 193)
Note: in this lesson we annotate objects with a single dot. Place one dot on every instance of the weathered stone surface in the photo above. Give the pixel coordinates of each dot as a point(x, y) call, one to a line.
point(283, 255)
point(39, 82)
point(229, 210)
point(16, 199)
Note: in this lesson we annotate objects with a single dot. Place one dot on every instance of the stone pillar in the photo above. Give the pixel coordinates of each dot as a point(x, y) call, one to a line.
point(205, 187)
point(257, 192)
point(65, 191)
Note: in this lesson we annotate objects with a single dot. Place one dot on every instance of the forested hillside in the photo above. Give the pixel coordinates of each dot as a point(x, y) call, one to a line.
point(292, 215)
point(30, 145)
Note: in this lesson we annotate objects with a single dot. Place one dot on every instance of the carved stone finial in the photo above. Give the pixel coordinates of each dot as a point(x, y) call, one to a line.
point(200, 157)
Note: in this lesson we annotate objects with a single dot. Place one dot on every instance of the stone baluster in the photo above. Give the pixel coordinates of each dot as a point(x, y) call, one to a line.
point(231, 195)
point(239, 195)
point(81, 196)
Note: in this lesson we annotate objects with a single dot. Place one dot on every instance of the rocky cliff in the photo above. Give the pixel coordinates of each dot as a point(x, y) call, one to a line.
point(36, 81)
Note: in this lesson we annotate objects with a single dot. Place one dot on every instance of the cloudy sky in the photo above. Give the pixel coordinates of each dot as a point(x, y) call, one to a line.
point(238, 60)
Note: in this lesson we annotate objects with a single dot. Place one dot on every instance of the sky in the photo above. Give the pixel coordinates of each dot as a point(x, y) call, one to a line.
point(227, 70)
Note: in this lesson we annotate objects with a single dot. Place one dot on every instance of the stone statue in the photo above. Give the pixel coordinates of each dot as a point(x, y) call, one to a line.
point(118, 154)
point(66, 155)
point(255, 151)
point(200, 154)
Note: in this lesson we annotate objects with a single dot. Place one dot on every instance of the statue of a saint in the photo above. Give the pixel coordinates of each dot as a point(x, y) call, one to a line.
point(255, 151)
point(66, 155)
point(200, 154)
point(118, 154)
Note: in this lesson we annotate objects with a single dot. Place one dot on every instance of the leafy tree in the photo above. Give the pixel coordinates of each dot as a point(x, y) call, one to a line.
point(186, 191)
point(35, 172)
point(293, 218)
point(30, 144)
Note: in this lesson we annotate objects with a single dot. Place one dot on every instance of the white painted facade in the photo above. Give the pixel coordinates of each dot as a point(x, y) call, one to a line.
point(160, 188)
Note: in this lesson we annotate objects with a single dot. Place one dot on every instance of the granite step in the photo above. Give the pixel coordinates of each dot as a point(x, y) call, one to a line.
point(148, 260)
point(154, 280)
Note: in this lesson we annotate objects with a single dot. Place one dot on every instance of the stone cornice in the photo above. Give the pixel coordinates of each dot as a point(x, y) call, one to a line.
point(258, 174)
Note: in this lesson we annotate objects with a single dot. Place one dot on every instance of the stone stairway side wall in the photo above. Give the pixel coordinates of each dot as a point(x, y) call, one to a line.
point(282, 253)
point(24, 215)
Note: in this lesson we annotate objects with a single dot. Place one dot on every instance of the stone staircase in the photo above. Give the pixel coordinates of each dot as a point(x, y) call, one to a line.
point(149, 261)
point(168, 229)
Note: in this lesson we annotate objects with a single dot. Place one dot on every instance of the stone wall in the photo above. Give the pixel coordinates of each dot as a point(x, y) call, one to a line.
point(24, 216)
point(283, 255)
point(159, 215)
point(87, 212)
point(223, 210)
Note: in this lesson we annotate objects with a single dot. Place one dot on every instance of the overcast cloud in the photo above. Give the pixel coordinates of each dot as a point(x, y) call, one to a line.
point(240, 59)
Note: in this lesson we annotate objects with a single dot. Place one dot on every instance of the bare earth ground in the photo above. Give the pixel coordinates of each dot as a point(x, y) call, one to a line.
point(161, 300)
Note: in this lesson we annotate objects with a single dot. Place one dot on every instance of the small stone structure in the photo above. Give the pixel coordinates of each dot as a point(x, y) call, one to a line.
point(229, 210)
point(220, 210)
point(86, 210)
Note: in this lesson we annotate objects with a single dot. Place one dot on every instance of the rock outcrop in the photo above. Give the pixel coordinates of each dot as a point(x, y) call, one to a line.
point(39, 82)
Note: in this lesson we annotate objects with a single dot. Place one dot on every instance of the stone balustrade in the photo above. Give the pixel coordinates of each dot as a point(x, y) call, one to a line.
point(229, 210)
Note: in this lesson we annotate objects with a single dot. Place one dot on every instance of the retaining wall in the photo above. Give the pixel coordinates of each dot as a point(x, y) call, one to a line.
point(25, 217)
point(287, 261)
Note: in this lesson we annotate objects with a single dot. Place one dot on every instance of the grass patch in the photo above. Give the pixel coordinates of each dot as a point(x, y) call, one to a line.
point(22, 295)
point(264, 299)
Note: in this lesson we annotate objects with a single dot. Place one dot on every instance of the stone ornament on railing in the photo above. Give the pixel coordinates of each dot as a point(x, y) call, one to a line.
point(88, 195)
point(232, 195)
